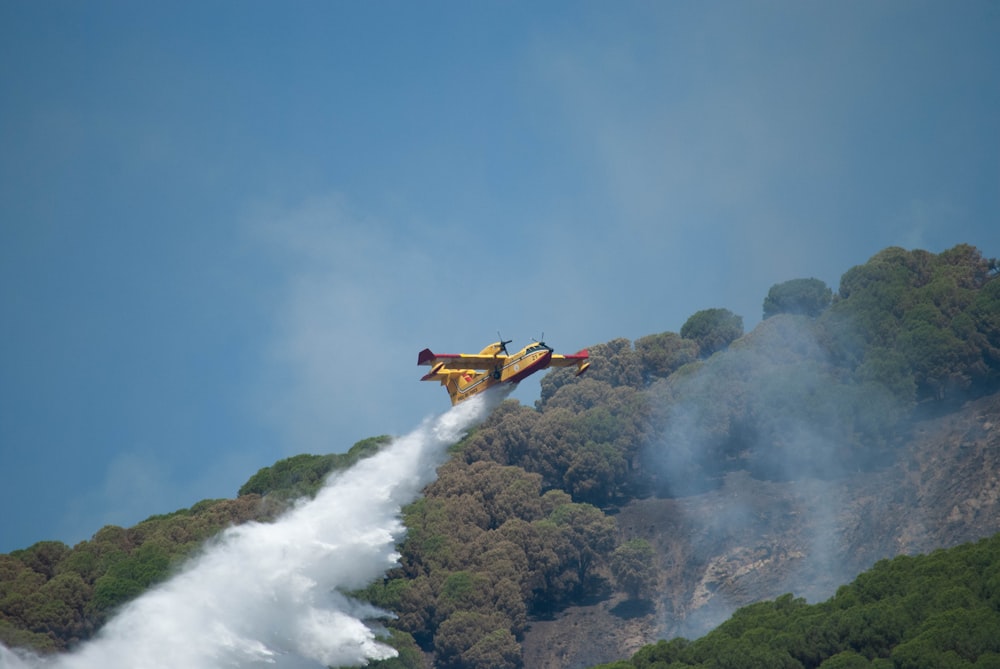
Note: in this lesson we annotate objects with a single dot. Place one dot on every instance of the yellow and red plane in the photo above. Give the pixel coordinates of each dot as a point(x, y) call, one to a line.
point(467, 374)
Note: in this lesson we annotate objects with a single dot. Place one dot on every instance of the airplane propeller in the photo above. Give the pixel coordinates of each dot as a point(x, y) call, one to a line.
point(541, 342)
point(503, 343)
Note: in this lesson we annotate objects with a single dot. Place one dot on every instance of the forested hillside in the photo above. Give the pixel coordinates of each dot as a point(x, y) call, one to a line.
point(590, 495)
point(936, 611)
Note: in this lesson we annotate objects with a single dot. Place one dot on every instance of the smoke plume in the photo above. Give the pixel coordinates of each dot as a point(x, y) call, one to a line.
point(758, 445)
point(273, 594)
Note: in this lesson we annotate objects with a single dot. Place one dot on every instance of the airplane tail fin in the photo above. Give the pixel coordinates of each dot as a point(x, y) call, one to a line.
point(582, 358)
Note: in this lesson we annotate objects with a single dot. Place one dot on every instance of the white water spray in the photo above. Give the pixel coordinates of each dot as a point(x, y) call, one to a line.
point(271, 594)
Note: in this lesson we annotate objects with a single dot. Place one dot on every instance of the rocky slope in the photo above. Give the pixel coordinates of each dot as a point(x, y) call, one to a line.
point(751, 539)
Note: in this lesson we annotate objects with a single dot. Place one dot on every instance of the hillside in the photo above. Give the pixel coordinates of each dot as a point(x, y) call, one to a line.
point(931, 611)
point(685, 475)
point(806, 537)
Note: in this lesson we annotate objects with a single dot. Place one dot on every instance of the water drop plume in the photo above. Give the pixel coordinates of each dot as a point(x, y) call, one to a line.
point(272, 594)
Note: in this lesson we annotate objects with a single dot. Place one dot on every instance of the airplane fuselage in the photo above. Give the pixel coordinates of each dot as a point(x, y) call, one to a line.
point(512, 369)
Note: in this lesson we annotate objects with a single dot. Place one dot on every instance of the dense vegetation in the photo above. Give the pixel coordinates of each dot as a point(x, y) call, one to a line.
point(303, 475)
point(52, 596)
point(937, 611)
point(516, 524)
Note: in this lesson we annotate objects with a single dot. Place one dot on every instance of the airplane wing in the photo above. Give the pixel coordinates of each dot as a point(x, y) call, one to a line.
point(581, 359)
point(569, 360)
point(458, 360)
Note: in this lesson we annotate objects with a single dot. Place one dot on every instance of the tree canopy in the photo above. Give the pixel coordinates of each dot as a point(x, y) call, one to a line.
point(805, 297)
point(713, 330)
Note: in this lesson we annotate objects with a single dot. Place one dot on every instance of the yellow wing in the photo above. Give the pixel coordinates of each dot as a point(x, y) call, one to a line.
point(459, 360)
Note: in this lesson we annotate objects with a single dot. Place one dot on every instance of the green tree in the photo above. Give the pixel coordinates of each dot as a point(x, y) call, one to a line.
point(303, 475)
point(496, 650)
point(130, 576)
point(593, 473)
point(461, 633)
point(501, 492)
point(663, 354)
point(984, 314)
point(713, 330)
point(915, 323)
point(63, 616)
point(555, 437)
point(43, 557)
point(590, 536)
point(807, 297)
point(464, 591)
point(504, 438)
point(847, 659)
point(615, 363)
point(634, 568)
point(417, 608)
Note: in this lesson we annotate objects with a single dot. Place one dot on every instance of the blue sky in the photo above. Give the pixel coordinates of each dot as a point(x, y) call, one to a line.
point(227, 228)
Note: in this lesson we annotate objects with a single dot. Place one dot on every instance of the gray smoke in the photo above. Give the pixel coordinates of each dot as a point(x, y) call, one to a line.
point(756, 444)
